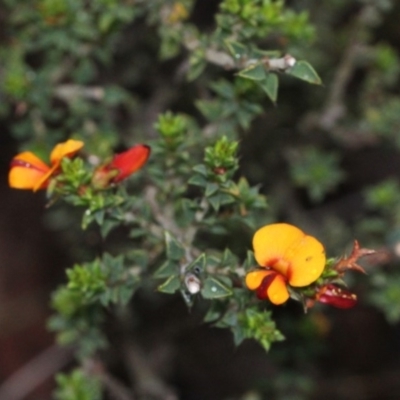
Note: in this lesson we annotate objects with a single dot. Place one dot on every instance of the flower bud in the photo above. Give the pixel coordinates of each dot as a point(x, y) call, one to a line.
point(192, 283)
point(336, 296)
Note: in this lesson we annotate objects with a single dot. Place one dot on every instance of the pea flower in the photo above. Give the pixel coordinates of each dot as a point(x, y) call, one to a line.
point(121, 166)
point(287, 256)
point(27, 171)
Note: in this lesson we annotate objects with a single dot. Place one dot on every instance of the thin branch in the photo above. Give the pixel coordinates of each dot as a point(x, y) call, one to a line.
point(161, 216)
point(112, 385)
point(226, 61)
point(335, 109)
point(148, 383)
point(35, 372)
point(69, 92)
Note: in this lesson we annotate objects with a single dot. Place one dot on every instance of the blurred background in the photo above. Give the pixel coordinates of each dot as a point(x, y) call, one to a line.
point(327, 158)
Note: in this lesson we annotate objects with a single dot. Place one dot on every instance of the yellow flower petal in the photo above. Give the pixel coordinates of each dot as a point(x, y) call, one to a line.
point(66, 149)
point(26, 171)
point(288, 250)
point(254, 278)
point(271, 243)
point(307, 257)
point(24, 178)
point(277, 291)
point(273, 289)
point(42, 182)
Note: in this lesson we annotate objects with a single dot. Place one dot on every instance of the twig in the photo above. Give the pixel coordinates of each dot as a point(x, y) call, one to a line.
point(334, 109)
point(35, 372)
point(69, 92)
point(226, 61)
point(161, 216)
point(115, 388)
point(148, 383)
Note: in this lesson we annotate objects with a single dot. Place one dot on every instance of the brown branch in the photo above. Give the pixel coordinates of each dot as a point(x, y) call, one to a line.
point(334, 109)
point(116, 389)
point(35, 372)
point(148, 383)
point(226, 61)
point(70, 92)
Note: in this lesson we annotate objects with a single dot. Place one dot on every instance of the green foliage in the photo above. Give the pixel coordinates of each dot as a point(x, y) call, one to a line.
point(257, 325)
point(315, 170)
point(261, 18)
point(303, 70)
point(77, 385)
point(384, 197)
point(386, 295)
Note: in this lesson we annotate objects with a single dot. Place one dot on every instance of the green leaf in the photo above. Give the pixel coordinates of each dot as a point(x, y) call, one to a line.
point(211, 109)
point(175, 250)
point(215, 289)
point(254, 72)
point(215, 202)
point(198, 265)
point(125, 292)
point(226, 198)
point(197, 63)
point(185, 211)
point(107, 226)
point(171, 285)
point(250, 262)
point(201, 169)
point(198, 180)
point(224, 88)
point(236, 49)
point(270, 86)
point(137, 233)
point(229, 259)
point(303, 70)
point(211, 188)
point(167, 269)
point(258, 53)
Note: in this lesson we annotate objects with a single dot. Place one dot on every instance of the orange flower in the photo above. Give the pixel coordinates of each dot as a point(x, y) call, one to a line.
point(287, 256)
point(121, 166)
point(29, 172)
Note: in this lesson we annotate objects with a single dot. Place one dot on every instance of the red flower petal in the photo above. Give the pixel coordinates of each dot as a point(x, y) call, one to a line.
point(336, 296)
point(129, 161)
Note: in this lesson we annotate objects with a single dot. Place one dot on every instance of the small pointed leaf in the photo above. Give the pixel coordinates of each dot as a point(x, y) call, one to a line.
point(201, 169)
point(198, 265)
point(215, 289)
point(215, 202)
point(254, 72)
point(250, 261)
point(258, 53)
point(229, 259)
point(197, 63)
point(175, 250)
point(167, 269)
point(303, 70)
point(226, 198)
point(270, 86)
point(236, 49)
point(211, 189)
point(171, 285)
point(198, 180)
